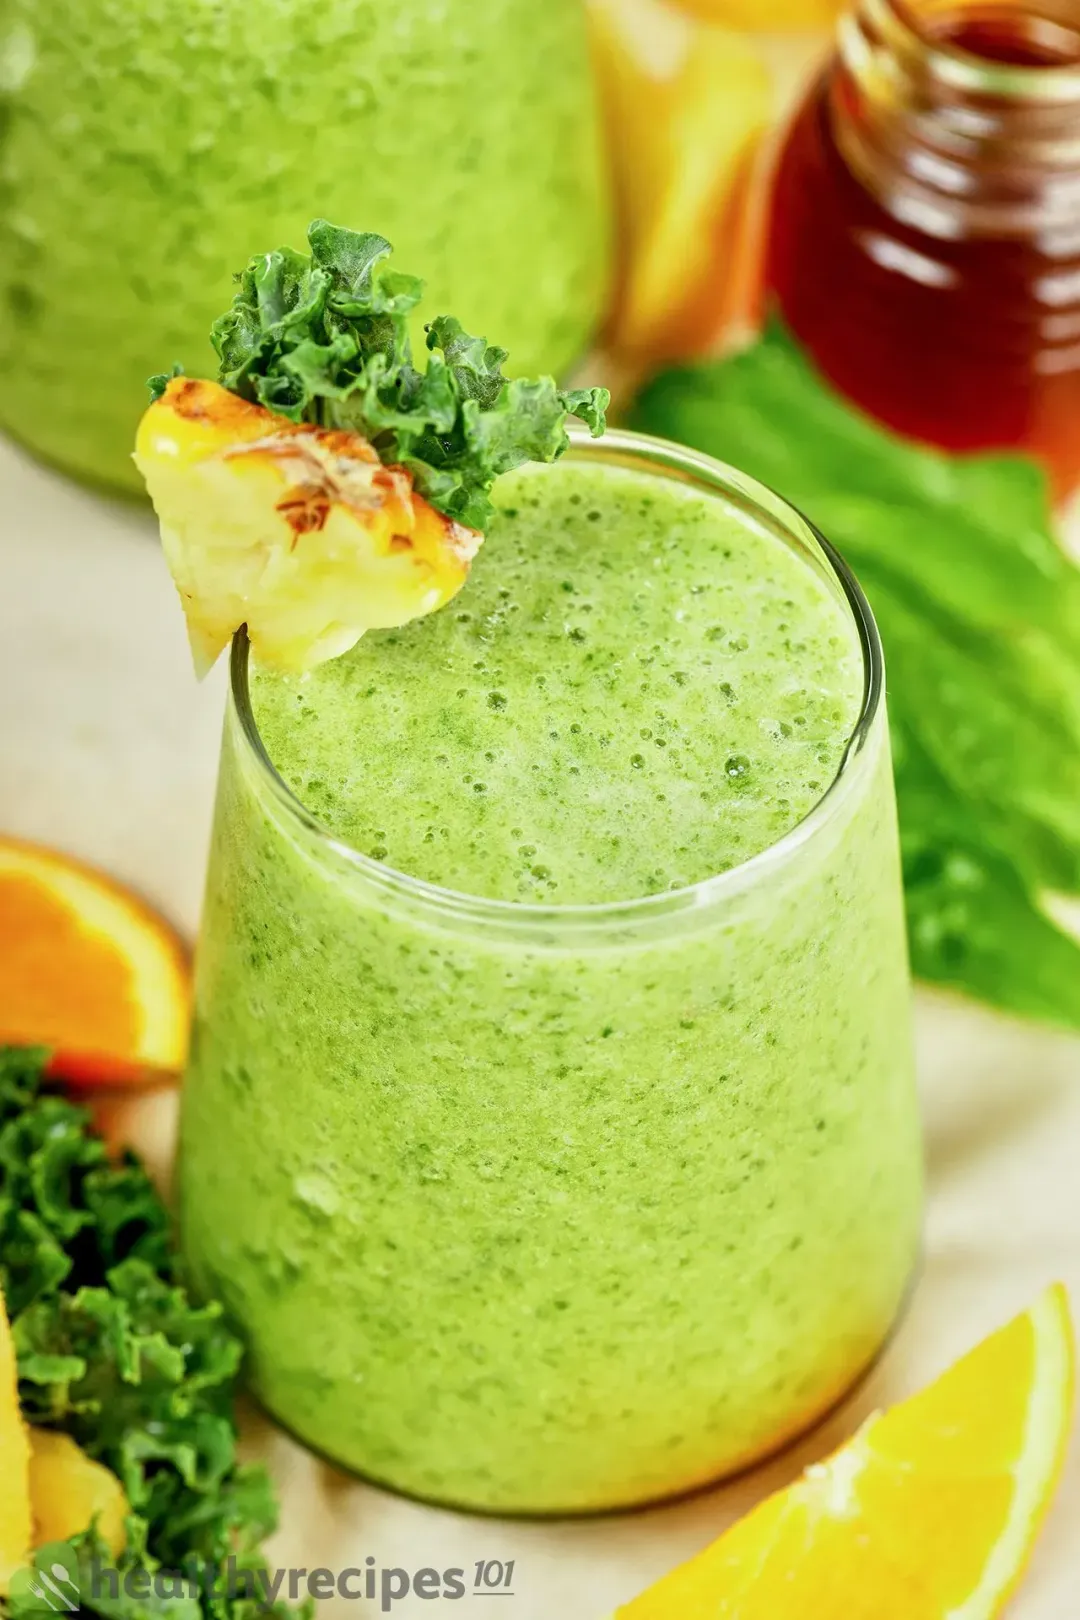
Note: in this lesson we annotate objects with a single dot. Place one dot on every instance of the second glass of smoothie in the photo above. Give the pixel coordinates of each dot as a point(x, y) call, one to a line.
point(551, 1129)
point(144, 147)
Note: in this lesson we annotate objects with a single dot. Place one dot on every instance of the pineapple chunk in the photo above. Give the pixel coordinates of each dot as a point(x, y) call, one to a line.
point(15, 1515)
point(70, 1491)
point(299, 532)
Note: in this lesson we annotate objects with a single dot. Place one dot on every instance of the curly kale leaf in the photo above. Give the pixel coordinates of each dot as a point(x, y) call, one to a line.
point(67, 1215)
point(158, 384)
point(113, 1352)
point(324, 337)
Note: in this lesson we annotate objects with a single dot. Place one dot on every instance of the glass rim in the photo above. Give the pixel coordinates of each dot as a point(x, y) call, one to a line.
point(618, 446)
point(965, 70)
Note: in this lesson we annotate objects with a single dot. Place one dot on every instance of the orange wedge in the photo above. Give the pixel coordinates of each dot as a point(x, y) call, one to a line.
point(929, 1513)
point(15, 1513)
point(88, 970)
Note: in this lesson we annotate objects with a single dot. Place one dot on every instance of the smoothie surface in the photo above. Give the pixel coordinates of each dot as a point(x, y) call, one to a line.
point(636, 690)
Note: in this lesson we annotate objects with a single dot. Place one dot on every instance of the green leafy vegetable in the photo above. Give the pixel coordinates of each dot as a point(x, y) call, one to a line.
point(113, 1352)
point(66, 1215)
point(324, 338)
point(157, 385)
point(979, 610)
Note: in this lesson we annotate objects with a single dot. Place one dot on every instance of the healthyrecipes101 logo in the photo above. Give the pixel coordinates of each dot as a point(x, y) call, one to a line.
point(58, 1584)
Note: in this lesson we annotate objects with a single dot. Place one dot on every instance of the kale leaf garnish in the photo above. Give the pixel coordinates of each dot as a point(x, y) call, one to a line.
point(323, 337)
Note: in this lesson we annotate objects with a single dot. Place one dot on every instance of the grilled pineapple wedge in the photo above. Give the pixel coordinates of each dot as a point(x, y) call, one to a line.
point(297, 531)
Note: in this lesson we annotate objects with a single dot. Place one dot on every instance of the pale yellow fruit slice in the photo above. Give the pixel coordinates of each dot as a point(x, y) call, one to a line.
point(296, 531)
point(69, 1492)
point(15, 1515)
point(685, 105)
point(929, 1513)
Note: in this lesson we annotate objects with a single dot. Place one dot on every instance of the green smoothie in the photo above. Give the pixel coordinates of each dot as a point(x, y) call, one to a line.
point(579, 1165)
point(144, 147)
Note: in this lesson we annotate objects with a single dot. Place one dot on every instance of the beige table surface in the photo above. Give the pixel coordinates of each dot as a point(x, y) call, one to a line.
point(108, 749)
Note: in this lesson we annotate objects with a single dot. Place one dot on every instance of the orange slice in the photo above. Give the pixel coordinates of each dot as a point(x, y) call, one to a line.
point(15, 1514)
point(88, 970)
point(685, 103)
point(929, 1513)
